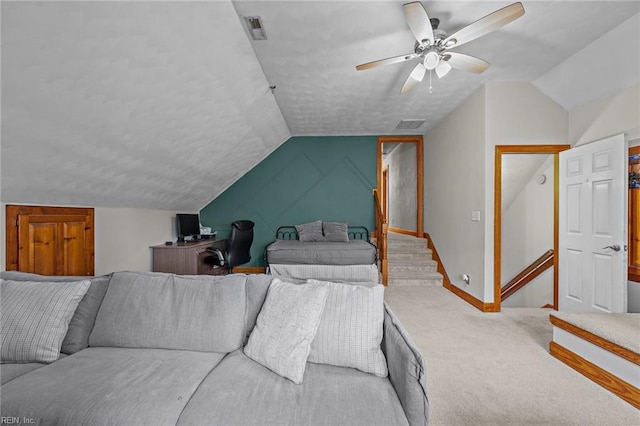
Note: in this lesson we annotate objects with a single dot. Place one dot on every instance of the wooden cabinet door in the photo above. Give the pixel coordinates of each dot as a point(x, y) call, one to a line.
point(47, 241)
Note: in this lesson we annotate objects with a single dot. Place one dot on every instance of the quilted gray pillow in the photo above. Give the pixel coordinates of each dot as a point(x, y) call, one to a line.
point(35, 318)
point(335, 231)
point(309, 232)
point(351, 328)
point(286, 325)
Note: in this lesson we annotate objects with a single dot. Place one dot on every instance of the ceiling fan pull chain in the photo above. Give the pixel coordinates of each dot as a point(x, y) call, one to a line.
point(430, 87)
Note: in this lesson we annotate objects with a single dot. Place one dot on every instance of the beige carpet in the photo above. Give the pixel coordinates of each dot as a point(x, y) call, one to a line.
point(495, 369)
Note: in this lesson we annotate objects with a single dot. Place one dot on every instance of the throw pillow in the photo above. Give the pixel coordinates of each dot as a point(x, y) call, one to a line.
point(351, 328)
point(81, 324)
point(35, 318)
point(285, 328)
point(309, 232)
point(335, 231)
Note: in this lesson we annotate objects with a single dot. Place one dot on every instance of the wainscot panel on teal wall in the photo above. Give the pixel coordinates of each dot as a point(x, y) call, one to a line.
point(305, 179)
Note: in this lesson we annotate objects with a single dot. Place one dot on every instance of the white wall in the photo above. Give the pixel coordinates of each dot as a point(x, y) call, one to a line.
point(123, 237)
point(402, 186)
point(453, 187)
point(459, 172)
point(606, 117)
point(516, 114)
point(527, 233)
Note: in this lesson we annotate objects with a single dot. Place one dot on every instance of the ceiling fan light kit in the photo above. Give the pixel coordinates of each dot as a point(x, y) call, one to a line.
point(432, 44)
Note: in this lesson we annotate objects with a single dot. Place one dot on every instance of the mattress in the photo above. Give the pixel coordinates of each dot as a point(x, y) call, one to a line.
point(294, 252)
point(337, 273)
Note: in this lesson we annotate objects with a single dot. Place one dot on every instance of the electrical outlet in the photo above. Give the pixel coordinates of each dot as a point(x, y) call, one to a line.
point(465, 278)
point(475, 215)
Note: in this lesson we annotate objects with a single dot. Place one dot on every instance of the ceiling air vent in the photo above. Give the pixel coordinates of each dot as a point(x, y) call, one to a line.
point(254, 23)
point(410, 124)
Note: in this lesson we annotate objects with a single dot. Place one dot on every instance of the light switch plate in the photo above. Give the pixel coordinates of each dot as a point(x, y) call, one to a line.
point(475, 215)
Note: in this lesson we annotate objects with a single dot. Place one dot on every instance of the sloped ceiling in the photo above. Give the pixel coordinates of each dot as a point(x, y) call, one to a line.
point(143, 104)
point(165, 104)
point(606, 66)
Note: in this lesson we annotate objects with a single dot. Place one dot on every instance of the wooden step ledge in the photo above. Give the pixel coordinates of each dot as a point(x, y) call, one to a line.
point(614, 384)
point(577, 323)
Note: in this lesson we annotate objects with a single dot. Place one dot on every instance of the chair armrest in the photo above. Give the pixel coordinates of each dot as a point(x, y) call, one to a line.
point(406, 369)
point(217, 253)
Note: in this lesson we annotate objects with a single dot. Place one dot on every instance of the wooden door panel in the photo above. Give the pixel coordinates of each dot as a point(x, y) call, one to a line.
point(73, 242)
point(37, 247)
point(43, 242)
point(634, 216)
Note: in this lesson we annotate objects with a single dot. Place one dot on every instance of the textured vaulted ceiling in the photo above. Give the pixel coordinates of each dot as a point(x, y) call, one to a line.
point(165, 104)
point(130, 104)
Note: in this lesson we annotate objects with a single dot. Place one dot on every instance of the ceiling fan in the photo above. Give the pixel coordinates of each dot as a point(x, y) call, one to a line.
point(432, 45)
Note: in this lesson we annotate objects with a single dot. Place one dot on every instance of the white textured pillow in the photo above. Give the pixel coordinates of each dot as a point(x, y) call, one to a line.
point(351, 328)
point(286, 325)
point(35, 317)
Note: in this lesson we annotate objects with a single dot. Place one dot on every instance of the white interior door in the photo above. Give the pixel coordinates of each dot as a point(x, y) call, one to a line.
point(592, 262)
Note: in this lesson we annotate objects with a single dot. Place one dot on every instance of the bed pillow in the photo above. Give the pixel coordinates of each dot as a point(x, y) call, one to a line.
point(351, 328)
point(309, 232)
point(286, 326)
point(335, 231)
point(35, 318)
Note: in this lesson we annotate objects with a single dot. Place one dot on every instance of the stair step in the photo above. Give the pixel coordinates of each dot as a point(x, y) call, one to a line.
point(413, 266)
point(423, 250)
point(426, 254)
point(424, 279)
point(416, 243)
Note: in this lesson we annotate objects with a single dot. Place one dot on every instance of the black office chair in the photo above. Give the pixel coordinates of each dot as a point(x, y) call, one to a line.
point(238, 250)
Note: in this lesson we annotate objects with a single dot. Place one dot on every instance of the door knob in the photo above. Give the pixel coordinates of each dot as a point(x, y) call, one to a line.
point(614, 247)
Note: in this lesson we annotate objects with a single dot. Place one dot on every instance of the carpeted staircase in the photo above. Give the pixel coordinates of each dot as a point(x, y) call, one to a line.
point(410, 262)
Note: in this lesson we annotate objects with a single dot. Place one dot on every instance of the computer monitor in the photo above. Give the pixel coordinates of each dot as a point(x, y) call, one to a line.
point(188, 224)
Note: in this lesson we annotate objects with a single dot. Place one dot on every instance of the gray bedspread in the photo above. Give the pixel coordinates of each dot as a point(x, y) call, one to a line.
point(355, 252)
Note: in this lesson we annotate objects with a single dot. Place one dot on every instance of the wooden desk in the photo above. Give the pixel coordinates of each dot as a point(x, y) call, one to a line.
point(186, 258)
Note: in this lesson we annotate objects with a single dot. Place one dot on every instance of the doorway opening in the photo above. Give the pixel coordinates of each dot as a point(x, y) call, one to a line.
point(501, 154)
point(385, 182)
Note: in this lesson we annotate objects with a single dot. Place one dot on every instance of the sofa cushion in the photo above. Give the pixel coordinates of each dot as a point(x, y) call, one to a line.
point(77, 337)
point(9, 372)
point(406, 369)
point(153, 310)
point(35, 318)
point(286, 325)
point(109, 386)
point(242, 392)
point(350, 329)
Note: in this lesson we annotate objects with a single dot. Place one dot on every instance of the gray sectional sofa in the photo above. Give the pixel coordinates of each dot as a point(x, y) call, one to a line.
point(161, 349)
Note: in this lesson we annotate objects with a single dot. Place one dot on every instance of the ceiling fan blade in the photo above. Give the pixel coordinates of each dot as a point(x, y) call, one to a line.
point(484, 26)
point(414, 78)
point(443, 69)
point(418, 21)
point(468, 63)
point(387, 61)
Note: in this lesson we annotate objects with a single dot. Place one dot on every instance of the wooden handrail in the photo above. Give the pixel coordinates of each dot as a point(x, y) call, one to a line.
point(382, 229)
point(531, 272)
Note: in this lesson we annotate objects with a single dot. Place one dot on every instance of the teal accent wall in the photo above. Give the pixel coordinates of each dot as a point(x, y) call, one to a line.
point(305, 179)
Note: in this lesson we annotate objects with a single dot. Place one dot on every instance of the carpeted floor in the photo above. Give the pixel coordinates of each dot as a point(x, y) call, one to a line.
point(495, 369)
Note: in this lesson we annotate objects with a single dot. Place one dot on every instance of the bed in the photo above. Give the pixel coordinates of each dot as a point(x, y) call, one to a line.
point(352, 260)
